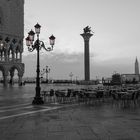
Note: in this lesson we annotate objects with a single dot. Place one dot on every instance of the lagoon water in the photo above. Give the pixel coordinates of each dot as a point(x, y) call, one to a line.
point(24, 94)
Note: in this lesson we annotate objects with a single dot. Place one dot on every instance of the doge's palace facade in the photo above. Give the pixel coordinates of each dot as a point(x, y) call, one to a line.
point(11, 39)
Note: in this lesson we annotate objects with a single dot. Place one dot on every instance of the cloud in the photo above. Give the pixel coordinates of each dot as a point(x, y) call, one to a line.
point(114, 45)
point(62, 64)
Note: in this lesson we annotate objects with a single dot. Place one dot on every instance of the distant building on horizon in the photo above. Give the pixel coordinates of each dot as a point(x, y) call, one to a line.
point(130, 78)
point(135, 77)
point(136, 67)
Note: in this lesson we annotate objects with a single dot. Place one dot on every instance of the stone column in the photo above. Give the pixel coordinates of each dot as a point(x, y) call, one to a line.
point(1, 55)
point(13, 56)
point(20, 80)
point(11, 77)
point(5, 56)
point(86, 37)
point(20, 57)
point(16, 56)
point(6, 53)
point(5, 80)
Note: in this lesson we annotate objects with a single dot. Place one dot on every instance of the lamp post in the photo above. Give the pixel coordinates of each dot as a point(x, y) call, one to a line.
point(38, 45)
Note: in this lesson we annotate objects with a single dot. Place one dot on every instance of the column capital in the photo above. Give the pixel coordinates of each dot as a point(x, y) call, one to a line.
point(86, 36)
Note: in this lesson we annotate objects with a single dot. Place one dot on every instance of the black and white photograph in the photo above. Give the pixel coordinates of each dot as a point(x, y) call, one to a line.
point(69, 70)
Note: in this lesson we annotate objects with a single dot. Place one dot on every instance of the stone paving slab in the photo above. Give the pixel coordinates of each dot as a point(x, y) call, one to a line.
point(77, 122)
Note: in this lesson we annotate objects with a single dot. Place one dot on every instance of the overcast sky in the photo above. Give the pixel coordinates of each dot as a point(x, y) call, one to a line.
point(113, 47)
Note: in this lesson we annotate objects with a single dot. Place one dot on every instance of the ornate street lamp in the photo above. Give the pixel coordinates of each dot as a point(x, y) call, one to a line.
point(38, 45)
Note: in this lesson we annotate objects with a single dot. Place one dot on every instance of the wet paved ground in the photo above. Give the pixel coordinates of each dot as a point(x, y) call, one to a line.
point(72, 122)
point(20, 120)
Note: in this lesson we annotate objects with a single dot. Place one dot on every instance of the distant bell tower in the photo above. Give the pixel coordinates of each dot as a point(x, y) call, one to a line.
point(136, 67)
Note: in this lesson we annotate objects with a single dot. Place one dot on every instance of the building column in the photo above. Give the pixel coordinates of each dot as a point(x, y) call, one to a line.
point(6, 52)
point(1, 55)
point(6, 55)
point(20, 80)
point(86, 37)
point(11, 77)
point(13, 56)
point(16, 56)
point(5, 80)
point(20, 57)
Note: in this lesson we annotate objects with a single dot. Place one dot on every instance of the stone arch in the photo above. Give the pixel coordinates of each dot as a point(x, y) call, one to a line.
point(20, 70)
point(10, 68)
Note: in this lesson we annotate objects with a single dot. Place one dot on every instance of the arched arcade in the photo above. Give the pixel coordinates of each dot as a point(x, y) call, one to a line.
point(11, 59)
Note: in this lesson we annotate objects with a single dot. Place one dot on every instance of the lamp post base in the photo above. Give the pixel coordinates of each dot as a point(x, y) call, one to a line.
point(38, 101)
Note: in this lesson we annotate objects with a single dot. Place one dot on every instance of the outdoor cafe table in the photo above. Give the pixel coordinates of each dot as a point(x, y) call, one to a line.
point(131, 91)
point(123, 94)
point(90, 92)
